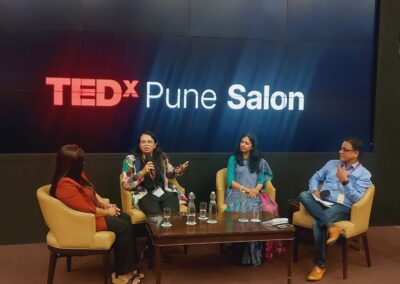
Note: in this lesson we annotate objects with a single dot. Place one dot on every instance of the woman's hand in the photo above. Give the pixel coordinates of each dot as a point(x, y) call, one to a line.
point(182, 168)
point(108, 205)
point(252, 192)
point(147, 168)
point(113, 211)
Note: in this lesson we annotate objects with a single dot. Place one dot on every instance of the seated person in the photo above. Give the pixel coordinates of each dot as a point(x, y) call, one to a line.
point(71, 186)
point(145, 172)
point(247, 174)
point(342, 182)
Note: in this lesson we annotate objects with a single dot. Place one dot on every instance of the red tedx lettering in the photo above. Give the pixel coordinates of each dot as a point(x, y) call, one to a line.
point(81, 94)
point(130, 89)
point(58, 84)
point(91, 92)
point(101, 93)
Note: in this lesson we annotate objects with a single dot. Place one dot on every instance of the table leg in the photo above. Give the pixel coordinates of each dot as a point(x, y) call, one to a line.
point(158, 263)
point(289, 261)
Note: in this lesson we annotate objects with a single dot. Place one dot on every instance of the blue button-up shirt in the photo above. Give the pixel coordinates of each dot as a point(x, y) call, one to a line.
point(326, 179)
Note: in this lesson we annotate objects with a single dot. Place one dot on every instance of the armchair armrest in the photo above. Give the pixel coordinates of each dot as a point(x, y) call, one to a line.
point(175, 182)
point(361, 210)
point(270, 190)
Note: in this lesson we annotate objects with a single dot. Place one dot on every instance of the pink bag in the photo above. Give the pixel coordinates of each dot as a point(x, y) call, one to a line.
point(268, 205)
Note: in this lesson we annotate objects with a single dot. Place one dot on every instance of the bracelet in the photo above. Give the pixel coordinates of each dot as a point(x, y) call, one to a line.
point(345, 182)
point(241, 188)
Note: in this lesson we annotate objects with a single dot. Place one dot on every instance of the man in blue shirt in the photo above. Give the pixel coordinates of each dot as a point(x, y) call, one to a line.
point(342, 182)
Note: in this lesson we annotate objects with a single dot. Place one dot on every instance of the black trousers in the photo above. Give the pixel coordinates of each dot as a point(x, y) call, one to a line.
point(153, 205)
point(124, 246)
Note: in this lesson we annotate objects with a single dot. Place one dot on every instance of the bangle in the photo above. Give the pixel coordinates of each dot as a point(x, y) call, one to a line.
point(241, 188)
point(345, 182)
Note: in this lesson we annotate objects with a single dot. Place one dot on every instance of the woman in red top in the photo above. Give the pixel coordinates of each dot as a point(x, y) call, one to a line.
point(71, 186)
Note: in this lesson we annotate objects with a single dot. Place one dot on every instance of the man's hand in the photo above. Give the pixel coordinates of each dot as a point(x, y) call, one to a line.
point(316, 194)
point(341, 173)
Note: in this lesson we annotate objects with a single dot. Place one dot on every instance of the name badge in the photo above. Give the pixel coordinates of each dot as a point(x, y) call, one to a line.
point(340, 198)
point(158, 192)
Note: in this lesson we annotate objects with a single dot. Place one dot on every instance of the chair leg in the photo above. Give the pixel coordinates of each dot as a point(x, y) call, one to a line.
point(221, 248)
point(52, 267)
point(106, 266)
point(366, 248)
point(185, 249)
point(296, 250)
point(69, 258)
point(345, 256)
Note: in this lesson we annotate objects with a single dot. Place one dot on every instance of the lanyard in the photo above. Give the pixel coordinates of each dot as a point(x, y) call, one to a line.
point(355, 168)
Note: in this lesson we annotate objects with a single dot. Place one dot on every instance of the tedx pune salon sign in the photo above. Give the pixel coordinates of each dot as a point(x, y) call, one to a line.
point(84, 92)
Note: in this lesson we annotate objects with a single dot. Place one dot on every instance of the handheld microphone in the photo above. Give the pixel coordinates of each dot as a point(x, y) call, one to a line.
point(149, 158)
point(325, 193)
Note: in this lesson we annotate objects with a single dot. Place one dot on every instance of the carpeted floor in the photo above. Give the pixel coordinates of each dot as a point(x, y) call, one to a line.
point(204, 264)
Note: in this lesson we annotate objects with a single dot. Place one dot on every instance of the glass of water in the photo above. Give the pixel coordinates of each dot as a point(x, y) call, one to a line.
point(255, 213)
point(166, 217)
point(203, 211)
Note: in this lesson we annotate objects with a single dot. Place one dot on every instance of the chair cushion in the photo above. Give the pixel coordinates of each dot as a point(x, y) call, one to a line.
point(303, 219)
point(101, 241)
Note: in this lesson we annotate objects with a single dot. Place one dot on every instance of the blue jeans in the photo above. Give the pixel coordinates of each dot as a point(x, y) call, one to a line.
point(324, 217)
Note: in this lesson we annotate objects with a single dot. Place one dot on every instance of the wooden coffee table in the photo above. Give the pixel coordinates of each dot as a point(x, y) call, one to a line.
point(227, 230)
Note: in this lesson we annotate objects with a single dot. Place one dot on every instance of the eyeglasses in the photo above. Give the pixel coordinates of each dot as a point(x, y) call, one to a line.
point(347, 150)
point(148, 142)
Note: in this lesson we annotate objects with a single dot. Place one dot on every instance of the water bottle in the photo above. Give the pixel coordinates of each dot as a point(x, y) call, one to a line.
point(191, 211)
point(243, 207)
point(212, 209)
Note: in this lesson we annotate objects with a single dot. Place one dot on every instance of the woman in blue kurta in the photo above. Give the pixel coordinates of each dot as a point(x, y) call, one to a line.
point(247, 173)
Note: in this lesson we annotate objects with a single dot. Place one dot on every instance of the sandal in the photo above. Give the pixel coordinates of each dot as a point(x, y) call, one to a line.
point(132, 280)
point(135, 273)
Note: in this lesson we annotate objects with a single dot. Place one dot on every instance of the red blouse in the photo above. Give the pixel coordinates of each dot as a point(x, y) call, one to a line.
point(79, 198)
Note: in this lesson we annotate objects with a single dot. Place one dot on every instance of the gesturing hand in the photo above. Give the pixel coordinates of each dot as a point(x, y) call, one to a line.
point(341, 173)
point(181, 168)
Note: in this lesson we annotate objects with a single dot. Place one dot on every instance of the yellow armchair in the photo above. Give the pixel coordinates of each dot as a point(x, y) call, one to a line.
point(356, 227)
point(72, 233)
point(221, 187)
point(137, 216)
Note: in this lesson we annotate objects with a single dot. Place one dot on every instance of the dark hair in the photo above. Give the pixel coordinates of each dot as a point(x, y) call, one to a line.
point(255, 154)
point(356, 144)
point(158, 153)
point(69, 163)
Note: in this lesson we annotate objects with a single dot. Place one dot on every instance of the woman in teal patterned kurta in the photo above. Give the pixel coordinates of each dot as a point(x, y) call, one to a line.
point(247, 173)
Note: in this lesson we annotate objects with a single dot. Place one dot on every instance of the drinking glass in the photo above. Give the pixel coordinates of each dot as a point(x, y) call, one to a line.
point(203, 211)
point(166, 217)
point(255, 213)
